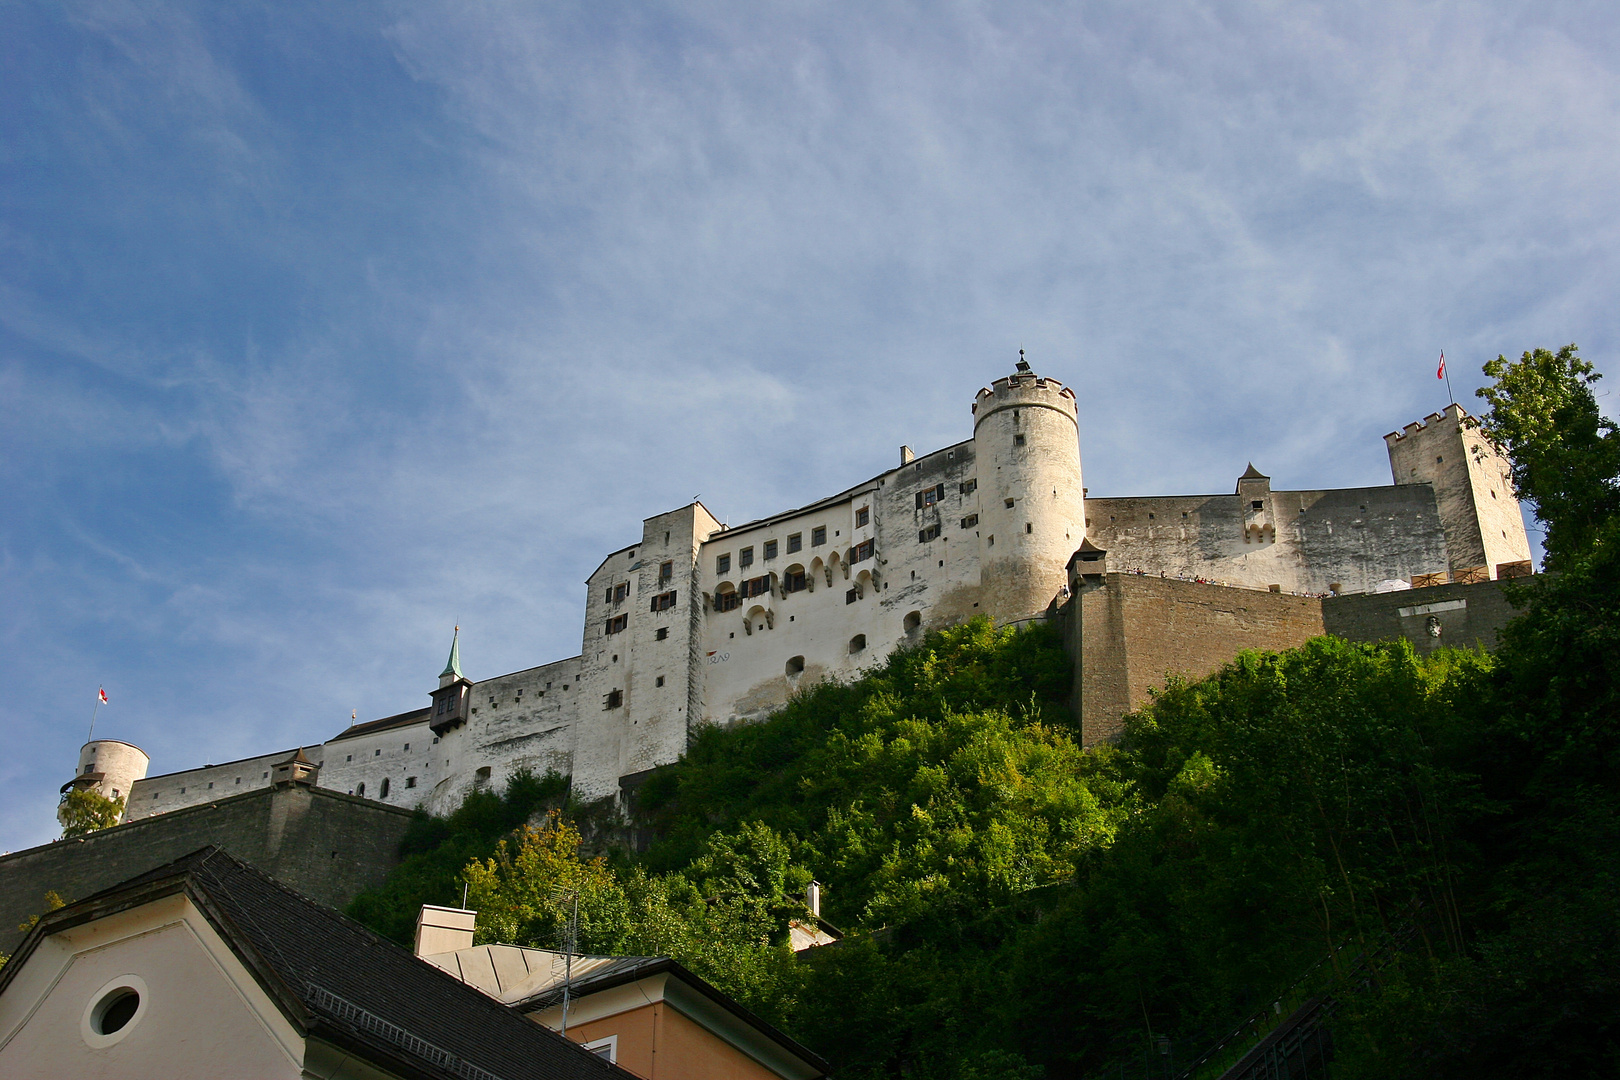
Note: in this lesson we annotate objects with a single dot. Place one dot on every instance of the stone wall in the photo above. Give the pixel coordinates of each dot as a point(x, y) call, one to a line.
point(326, 845)
point(1467, 616)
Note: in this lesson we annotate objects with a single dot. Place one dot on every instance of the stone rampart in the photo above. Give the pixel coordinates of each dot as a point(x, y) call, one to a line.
point(326, 845)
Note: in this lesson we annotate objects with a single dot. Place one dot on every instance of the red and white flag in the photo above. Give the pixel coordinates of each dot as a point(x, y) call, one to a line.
point(102, 694)
point(1441, 373)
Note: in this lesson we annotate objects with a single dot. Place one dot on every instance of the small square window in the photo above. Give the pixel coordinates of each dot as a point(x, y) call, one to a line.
point(970, 521)
point(620, 591)
point(795, 542)
point(376, 753)
point(969, 486)
point(348, 757)
point(722, 564)
point(664, 601)
point(616, 625)
point(662, 633)
point(1008, 503)
point(1258, 505)
point(613, 700)
point(861, 551)
point(745, 557)
point(852, 596)
point(1018, 440)
point(770, 549)
point(408, 745)
point(863, 516)
point(410, 781)
point(818, 536)
point(930, 533)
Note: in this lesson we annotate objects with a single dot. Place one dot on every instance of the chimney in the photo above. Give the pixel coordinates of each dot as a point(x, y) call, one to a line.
point(444, 929)
point(812, 898)
point(906, 456)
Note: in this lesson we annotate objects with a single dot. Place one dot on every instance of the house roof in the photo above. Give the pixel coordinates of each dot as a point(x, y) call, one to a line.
point(339, 982)
point(371, 727)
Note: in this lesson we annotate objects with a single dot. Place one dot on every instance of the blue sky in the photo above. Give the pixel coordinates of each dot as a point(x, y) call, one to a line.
point(324, 327)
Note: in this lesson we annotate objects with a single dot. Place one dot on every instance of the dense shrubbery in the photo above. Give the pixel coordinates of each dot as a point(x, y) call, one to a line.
point(1435, 841)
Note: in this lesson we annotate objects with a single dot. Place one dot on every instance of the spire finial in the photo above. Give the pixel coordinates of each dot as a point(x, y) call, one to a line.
point(453, 665)
point(1023, 365)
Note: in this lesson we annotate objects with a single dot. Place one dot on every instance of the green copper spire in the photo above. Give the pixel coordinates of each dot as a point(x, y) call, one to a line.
point(452, 666)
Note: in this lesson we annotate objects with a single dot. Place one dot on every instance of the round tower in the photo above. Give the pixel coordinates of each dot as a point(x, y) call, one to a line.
point(110, 767)
point(1026, 437)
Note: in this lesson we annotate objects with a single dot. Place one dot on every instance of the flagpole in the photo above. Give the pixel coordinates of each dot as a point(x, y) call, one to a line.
point(1447, 373)
point(91, 737)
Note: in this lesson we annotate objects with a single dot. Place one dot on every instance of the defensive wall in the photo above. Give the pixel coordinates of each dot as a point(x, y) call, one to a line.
point(326, 845)
point(1128, 633)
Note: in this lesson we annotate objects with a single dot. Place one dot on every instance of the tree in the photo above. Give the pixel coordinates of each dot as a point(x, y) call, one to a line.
point(87, 810)
point(1565, 453)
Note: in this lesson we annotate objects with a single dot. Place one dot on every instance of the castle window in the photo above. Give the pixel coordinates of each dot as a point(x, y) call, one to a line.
point(1029, 526)
point(757, 586)
point(861, 551)
point(666, 573)
point(620, 591)
point(857, 643)
point(849, 598)
point(796, 541)
point(410, 781)
point(970, 521)
point(1018, 440)
point(664, 601)
point(793, 581)
point(663, 632)
point(1150, 517)
point(1257, 505)
point(913, 622)
point(383, 794)
point(617, 624)
point(818, 536)
point(155, 794)
point(408, 745)
point(730, 600)
point(360, 789)
point(238, 779)
point(348, 757)
point(795, 665)
point(210, 785)
point(1183, 514)
point(378, 753)
point(745, 557)
point(613, 700)
point(969, 486)
point(658, 681)
point(266, 776)
point(862, 516)
point(483, 772)
point(770, 549)
point(930, 533)
point(1008, 503)
point(722, 563)
point(930, 496)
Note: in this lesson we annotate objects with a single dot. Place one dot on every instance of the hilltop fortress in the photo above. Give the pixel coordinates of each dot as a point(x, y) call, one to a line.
point(696, 623)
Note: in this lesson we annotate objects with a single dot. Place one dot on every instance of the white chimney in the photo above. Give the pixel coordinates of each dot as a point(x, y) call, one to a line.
point(906, 456)
point(812, 898)
point(444, 929)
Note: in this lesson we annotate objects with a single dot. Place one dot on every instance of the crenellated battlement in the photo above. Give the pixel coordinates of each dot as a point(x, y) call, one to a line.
point(1450, 416)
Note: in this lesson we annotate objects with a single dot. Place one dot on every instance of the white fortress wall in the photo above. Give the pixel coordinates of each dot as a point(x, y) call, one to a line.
point(193, 787)
point(393, 760)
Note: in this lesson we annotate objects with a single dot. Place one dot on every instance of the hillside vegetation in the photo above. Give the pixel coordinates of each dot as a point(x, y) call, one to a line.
point(1434, 841)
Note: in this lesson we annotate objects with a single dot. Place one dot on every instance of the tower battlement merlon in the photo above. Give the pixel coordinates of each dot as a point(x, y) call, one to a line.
point(1453, 413)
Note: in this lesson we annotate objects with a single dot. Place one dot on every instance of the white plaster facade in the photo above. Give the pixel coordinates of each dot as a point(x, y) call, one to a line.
point(696, 623)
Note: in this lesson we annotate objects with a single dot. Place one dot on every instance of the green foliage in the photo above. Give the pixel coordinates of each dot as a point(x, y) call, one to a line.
point(1565, 453)
point(436, 850)
point(86, 810)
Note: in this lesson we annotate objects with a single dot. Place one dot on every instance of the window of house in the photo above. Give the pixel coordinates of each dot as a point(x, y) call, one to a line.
point(745, 557)
point(930, 533)
point(770, 549)
point(758, 586)
point(410, 781)
point(607, 1049)
point(969, 486)
point(613, 700)
point(970, 521)
point(796, 542)
point(1018, 440)
point(664, 601)
point(383, 794)
point(818, 536)
point(722, 563)
point(730, 600)
point(852, 596)
point(793, 581)
point(617, 623)
point(663, 632)
point(861, 551)
point(620, 591)
point(862, 516)
point(930, 496)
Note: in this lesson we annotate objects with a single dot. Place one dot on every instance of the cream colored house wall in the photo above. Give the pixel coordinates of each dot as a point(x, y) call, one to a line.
point(186, 972)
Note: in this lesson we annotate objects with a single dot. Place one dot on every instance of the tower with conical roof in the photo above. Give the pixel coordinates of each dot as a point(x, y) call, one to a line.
point(450, 700)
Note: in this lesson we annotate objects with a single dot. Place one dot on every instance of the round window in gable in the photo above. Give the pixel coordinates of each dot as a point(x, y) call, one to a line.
point(114, 1011)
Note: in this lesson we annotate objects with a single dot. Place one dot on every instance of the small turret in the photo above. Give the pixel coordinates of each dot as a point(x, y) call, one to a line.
point(451, 699)
point(110, 767)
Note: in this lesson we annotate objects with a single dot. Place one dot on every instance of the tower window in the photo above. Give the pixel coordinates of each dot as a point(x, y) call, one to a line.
point(360, 789)
point(745, 557)
point(770, 549)
point(666, 573)
point(1008, 503)
point(617, 624)
point(930, 496)
point(383, 794)
point(722, 563)
point(818, 536)
point(793, 581)
point(861, 551)
point(613, 700)
point(795, 542)
point(1018, 440)
point(970, 521)
point(849, 598)
point(930, 533)
point(1257, 505)
point(730, 600)
point(663, 632)
point(620, 591)
point(410, 781)
point(664, 601)
point(969, 486)
point(757, 586)
point(863, 516)
point(659, 681)
point(1029, 526)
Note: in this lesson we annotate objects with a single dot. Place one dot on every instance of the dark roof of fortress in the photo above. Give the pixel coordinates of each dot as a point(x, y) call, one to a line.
point(338, 982)
point(371, 727)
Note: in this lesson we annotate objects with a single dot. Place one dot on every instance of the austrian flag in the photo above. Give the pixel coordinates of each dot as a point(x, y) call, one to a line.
point(102, 694)
point(1440, 374)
